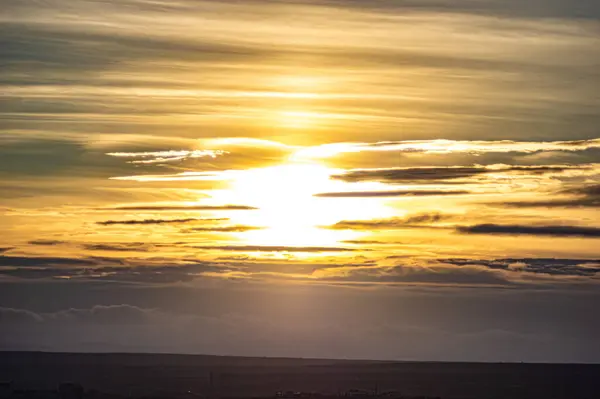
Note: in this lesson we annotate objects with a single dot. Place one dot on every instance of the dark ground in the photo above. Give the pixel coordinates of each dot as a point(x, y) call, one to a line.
point(138, 374)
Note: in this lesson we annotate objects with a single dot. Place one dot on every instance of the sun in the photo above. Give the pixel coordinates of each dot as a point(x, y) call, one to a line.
point(288, 212)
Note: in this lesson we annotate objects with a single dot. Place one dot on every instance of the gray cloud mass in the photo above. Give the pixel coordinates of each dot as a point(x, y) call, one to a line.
point(550, 231)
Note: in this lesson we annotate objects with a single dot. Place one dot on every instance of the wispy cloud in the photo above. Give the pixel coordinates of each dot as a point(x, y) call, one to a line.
point(183, 176)
point(420, 174)
point(180, 208)
point(41, 261)
point(225, 229)
point(392, 223)
point(152, 157)
point(395, 193)
point(447, 147)
point(580, 197)
point(276, 248)
point(158, 221)
point(550, 266)
point(542, 231)
point(119, 247)
point(47, 242)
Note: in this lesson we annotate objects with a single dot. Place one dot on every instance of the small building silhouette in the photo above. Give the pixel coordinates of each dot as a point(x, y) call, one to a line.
point(70, 390)
point(6, 389)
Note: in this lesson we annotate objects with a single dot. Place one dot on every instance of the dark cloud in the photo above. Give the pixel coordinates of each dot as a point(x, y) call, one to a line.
point(5, 249)
point(581, 197)
point(225, 229)
point(47, 242)
point(120, 314)
point(40, 261)
point(276, 248)
point(586, 9)
point(158, 221)
point(550, 266)
point(181, 208)
point(557, 203)
point(500, 326)
point(124, 247)
point(542, 231)
point(30, 157)
point(60, 51)
point(409, 274)
point(137, 273)
point(592, 190)
point(396, 193)
point(366, 242)
point(393, 223)
point(420, 174)
point(10, 315)
point(117, 314)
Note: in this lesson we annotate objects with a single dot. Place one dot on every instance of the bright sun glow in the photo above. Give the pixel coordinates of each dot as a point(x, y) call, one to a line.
point(288, 211)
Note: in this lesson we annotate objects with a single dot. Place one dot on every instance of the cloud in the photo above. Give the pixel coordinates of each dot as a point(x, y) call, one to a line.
point(407, 274)
point(557, 203)
point(585, 9)
point(225, 229)
point(276, 248)
point(542, 231)
point(392, 223)
point(5, 249)
point(149, 271)
point(591, 190)
point(420, 174)
point(366, 242)
point(581, 197)
point(124, 247)
point(180, 208)
point(10, 315)
point(500, 326)
point(47, 242)
point(111, 314)
point(40, 261)
point(158, 221)
point(550, 266)
point(396, 193)
point(448, 146)
point(152, 157)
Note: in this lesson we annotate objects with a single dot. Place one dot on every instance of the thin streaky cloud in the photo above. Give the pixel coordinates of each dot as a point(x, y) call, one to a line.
point(367, 242)
point(118, 247)
point(183, 176)
point(448, 146)
point(440, 173)
point(179, 208)
point(542, 231)
point(396, 193)
point(158, 221)
point(151, 157)
point(47, 242)
point(550, 266)
point(43, 261)
point(225, 229)
point(416, 220)
point(587, 196)
point(276, 248)
point(556, 203)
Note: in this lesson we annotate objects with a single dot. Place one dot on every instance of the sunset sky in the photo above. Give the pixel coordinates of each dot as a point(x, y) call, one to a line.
point(409, 180)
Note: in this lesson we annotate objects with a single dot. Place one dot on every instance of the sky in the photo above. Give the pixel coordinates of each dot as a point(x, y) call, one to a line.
point(397, 180)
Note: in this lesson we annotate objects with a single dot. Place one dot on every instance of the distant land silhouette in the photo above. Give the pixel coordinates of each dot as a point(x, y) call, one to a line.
point(175, 376)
